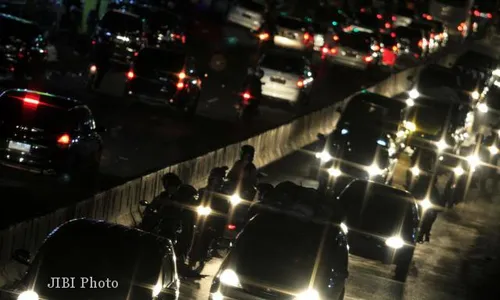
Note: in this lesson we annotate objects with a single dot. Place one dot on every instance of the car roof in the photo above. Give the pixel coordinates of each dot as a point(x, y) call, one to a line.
point(375, 187)
point(58, 101)
point(284, 53)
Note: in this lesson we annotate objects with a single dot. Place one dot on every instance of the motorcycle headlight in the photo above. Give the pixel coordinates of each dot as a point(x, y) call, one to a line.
point(459, 171)
point(414, 94)
point(496, 72)
point(323, 156)
point(344, 228)
point(415, 171)
point(230, 278)
point(334, 172)
point(410, 126)
point(374, 170)
point(493, 150)
point(203, 210)
point(425, 204)
point(442, 145)
point(394, 242)
point(410, 102)
point(310, 294)
point(157, 289)
point(235, 199)
point(28, 295)
point(473, 161)
point(475, 95)
point(482, 108)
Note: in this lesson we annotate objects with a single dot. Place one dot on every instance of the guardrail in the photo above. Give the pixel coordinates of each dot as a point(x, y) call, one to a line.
point(121, 204)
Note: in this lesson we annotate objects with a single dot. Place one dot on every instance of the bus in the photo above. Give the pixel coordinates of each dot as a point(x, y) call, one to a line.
point(453, 13)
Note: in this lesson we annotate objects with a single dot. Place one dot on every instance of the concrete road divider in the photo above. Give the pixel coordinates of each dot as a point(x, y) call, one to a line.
point(121, 204)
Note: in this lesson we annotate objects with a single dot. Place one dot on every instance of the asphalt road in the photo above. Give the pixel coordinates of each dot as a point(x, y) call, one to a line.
point(460, 262)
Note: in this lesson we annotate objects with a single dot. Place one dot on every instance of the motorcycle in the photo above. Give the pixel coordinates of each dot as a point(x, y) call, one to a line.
point(247, 107)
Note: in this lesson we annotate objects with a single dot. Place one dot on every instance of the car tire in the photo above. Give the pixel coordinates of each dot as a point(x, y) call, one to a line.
point(402, 270)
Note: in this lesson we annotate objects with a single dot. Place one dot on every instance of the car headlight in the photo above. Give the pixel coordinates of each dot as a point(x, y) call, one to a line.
point(28, 295)
point(410, 102)
point(425, 204)
point(235, 199)
point(442, 145)
point(230, 278)
point(203, 210)
point(482, 108)
point(344, 228)
point(473, 161)
point(310, 294)
point(496, 72)
point(374, 170)
point(344, 131)
point(493, 150)
point(459, 171)
point(324, 156)
point(410, 125)
point(415, 171)
point(157, 289)
point(394, 242)
point(475, 95)
point(414, 94)
point(334, 172)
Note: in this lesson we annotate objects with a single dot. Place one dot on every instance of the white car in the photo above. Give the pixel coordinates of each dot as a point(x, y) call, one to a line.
point(287, 76)
point(248, 14)
point(293, 33)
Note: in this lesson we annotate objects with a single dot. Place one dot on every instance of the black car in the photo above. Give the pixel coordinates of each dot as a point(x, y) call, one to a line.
point(275, 255)
point(165, 77)
point(360, 50)
point(125, 31)
point(432, 79)
point(412, 41)
point(483, 63)
point(382, 223)
point(487, 111)
point(99, 260)
point(48, 134)
point(22, 47)
point(293, 33)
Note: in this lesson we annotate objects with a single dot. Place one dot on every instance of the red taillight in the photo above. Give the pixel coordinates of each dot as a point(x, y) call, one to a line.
point(180, 85)
point(429, 17)
point(300, 83)
point(264, 36)
point(130, 74)
point(393, 34)
point(368, 59)
point(477, 13)
point(335, 37)
point(31, 100)
point(307, 37)
point(387, 25)
point(246, 95)
point(376, 48)
point(362, 10)
point(64, 139)
point(379, 16)
point(394, 18)
point(325, 50)
point(231, 227)
point(489, 16)
point(334, 51)
point(136, 54)
point(432, 35)
point(183, 39)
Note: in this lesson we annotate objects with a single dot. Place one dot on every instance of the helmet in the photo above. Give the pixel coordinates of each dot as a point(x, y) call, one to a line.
point(186, 193)
point(171, 180)
point(247, 151)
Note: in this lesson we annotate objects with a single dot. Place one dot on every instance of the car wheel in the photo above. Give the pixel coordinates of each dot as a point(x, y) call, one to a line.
point(402, 270)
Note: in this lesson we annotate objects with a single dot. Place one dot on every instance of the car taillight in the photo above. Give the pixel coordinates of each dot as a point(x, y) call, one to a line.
point(130, 74)
point(393, 34)
point(335, 37)
point(477, 13)
point(300, 83)
point(264, 36)
point(231, 227)
point(93, 42)
point(489, 15)
point(394, 18)
point(376, 48)
point(334, 51)
point(432, 35)
point(395, 48)
point(307, 37)
point(368, 59)
point(182, 75)
point(325, 50)
point(30, 100)
point(422, 43)
point(387, 25)
point(64, 139)
point(93, 69)
point(246, 95)
point(362, 10)
point(180, 85)
point(379, 16)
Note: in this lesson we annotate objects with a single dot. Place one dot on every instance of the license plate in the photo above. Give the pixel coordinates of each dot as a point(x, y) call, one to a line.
point(278, 80)
point(163, 79)
point(23, 147)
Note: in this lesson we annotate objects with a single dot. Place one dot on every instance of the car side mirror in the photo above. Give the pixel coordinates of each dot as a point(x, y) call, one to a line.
point(143, 203)
point(22, 256)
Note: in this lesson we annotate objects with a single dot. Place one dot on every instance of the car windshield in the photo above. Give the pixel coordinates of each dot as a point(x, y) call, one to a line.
point(432, 78)
point(358, 41)
point(15, 112)
point(9, 26)
point(291, 23)
point(251, 5)
point(376, 210)
point(283, 63)
point(280, 251)
point(121, 22)
point(365, 148)
point(130, 260)
point(363, 110)
point(429, 119)
point(153, 59)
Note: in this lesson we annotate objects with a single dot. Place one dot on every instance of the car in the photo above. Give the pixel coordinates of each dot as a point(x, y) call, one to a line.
point(288, 76)
point(403, 16)
point(441, 35)
point(249, 14)
point(482, 17)
point(23, 49)
point(336, 17)
point(293, 33)
point(166, 29)
point(389, 48)
point(324, 37)
point(382, 223)
point(431, 79)
point(487, 110)
point(478, 61)
point(48, 134)
point(106, 261)
point(125, 31)
point(376, 21)
point(275, 255)
point(412, 41)
point(360, 50)
point(167, 77)
point(429, 33)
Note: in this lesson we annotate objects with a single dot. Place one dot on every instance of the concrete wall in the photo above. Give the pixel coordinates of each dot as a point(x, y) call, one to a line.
point(121, 204)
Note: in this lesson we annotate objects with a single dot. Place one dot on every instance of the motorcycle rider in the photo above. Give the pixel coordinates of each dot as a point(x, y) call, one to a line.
point(101, 58)
point(426, 188)
point(253, 84)
point(244, 171)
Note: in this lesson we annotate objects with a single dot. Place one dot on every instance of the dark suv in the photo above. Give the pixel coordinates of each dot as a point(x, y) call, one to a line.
point(48, 134)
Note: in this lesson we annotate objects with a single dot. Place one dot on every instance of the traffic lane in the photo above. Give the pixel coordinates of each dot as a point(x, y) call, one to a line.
point(452, 266)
